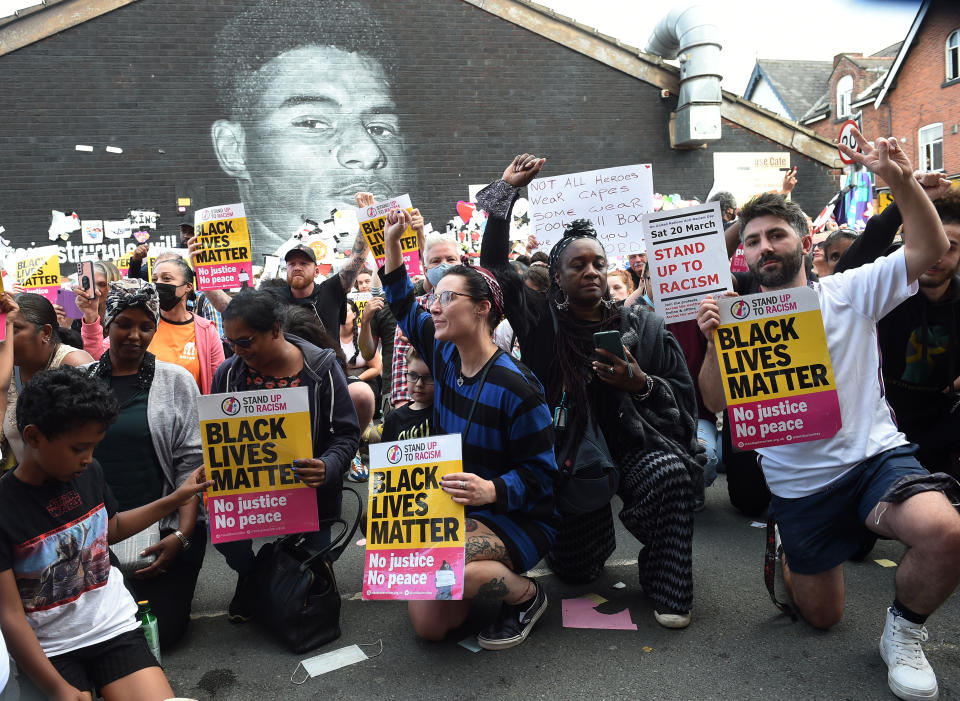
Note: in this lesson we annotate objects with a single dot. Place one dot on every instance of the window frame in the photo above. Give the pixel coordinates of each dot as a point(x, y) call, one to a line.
point(847, 109)
point(947, 50)
point(922, 146)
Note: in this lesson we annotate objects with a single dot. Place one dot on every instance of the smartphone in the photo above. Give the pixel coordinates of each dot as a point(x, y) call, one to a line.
point(68, 300)
point(610, 341)
point(86, 280)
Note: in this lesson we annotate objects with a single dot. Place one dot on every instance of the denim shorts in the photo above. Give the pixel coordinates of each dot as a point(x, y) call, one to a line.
point(823, 530)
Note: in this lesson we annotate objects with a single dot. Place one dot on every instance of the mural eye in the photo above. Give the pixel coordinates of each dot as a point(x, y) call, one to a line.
point(381, 131)
point(313, 124)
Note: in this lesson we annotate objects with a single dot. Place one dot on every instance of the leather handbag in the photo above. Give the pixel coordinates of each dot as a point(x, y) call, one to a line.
point(589, 475)
point(297, 595)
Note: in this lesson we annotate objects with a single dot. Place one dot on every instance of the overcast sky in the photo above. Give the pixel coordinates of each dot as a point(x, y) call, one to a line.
point(811, 29)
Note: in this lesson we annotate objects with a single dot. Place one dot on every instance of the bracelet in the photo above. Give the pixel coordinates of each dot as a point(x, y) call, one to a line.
point(184, 543)
point(648, 390)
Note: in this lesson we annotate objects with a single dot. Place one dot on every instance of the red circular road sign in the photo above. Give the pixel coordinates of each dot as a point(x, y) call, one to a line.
point(846, 137)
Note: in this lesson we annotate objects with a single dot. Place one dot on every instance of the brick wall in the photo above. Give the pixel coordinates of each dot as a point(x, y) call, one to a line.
point(472, 90)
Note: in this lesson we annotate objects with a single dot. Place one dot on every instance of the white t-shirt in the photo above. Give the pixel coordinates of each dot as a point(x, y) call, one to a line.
point(851, 302)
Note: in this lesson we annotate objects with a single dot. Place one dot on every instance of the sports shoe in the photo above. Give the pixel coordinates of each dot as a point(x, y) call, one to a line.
point(514, 622)
point(244, 601)
point(673, 620)
point(358, 472)
point(909, 674)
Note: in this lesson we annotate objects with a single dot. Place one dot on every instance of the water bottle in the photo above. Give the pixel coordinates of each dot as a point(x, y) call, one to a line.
point(151, 631)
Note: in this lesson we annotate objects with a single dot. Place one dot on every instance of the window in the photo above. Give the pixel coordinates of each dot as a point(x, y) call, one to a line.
point(844, 96)
point(953, 55)
point(930, 139)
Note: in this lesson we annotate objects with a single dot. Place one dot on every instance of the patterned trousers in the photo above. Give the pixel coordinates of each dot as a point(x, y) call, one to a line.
point(657, 509)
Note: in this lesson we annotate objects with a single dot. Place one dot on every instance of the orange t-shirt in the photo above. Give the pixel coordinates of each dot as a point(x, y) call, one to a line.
point(177, 343)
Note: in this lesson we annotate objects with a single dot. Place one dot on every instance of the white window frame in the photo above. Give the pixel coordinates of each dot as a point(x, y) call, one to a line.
point(844, 96)
point(952, 46)
point(925, 146)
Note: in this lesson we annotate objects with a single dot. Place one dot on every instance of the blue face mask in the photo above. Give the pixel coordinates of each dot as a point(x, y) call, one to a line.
point(434, 274)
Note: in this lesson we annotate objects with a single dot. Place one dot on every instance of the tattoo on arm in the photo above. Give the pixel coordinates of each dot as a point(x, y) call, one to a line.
point(494, 589)
point(349, 272)
point(471, 525)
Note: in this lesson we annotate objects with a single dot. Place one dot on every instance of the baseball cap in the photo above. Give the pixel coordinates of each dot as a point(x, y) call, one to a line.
point(305, 250)
point(187, 220)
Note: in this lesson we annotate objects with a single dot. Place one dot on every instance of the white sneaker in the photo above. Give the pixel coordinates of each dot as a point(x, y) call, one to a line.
point(909, 674)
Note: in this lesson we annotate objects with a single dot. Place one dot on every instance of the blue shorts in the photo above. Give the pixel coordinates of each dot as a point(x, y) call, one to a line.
point(823, 530)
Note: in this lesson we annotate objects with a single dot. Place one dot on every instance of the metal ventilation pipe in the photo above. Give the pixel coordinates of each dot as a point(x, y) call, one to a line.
point(688, 33)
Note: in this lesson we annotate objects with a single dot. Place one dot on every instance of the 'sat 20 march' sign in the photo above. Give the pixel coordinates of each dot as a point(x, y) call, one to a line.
point(776, 369)
point(250, 440)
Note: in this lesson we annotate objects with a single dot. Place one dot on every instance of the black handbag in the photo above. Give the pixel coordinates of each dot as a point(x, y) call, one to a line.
point(589, 476)
point(297, 595)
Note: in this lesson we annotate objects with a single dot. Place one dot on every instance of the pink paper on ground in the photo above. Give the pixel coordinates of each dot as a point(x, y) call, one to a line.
point(582, 613)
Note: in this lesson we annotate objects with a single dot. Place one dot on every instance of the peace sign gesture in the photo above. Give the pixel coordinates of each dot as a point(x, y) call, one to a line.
point(885, 158)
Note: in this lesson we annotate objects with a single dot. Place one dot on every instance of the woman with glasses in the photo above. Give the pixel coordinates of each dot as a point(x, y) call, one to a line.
point(182, 338)
point(152, 447)
point(497, 407)
point(412, 420)
point(267, 358)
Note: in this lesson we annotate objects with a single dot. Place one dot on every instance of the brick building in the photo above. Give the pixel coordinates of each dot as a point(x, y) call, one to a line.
point(470, 83)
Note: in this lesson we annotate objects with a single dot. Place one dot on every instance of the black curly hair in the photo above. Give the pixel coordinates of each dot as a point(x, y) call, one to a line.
point(59, 401)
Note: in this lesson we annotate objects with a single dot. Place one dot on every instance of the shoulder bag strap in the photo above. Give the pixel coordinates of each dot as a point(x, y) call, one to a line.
point(476, 398)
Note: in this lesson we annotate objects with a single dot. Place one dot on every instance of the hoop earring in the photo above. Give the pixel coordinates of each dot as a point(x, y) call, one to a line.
point(565, 304)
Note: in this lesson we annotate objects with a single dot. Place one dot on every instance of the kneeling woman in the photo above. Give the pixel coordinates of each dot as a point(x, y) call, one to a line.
point(509, 472)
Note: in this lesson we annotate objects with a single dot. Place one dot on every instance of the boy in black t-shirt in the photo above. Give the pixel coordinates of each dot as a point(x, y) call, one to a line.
point(412, 420)
point(67, 618)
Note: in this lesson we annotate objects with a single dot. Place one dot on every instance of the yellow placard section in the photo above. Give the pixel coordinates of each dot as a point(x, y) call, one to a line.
point(884, 199)
point(36, 272)
point(223, 241)
point(373, 232)
point(771, 358)
point(408, 509)
point(255, 453)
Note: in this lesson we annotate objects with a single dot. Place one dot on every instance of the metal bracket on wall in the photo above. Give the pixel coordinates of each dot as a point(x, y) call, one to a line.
point(51, 19)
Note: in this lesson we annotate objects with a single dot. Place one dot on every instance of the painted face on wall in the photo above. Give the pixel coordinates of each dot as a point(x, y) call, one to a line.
point(324, 127)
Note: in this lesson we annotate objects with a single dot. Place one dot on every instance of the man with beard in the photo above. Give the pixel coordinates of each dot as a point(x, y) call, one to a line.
point(308, 114)
point(828, 494)
point(920, 346)
point(327, 299)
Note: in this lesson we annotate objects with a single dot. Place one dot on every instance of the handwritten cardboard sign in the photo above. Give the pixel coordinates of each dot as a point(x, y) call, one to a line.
point(614, 199)
point(776, 370)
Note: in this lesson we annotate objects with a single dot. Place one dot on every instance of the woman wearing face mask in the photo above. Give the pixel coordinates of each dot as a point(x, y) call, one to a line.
point(644, 406)
point(152, 447)
point(36, 335)
point(507, 482)
point(182, 337)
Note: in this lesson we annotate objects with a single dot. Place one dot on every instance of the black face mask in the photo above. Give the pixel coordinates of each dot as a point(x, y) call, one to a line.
point(167, 295)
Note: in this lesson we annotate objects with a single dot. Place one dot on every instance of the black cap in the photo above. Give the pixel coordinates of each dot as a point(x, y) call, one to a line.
point(305, 250)
point(187, 220)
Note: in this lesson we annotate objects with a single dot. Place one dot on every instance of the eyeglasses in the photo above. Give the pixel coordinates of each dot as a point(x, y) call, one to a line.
point(445, 298)
point(413, 378)
point(242, 342)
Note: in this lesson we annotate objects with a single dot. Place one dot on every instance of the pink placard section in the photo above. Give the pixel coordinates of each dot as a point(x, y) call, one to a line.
point(420, 573)
point(582, 613)
point(259, 514)
point(808, 417)
point(411, 259)
point(224, 276)
point(49, 292)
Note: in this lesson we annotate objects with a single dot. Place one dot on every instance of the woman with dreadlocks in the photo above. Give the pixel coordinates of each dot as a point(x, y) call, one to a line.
point(643, 407)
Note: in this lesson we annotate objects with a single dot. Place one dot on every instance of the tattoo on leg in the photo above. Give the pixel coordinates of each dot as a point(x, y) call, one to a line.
point(471, 525)
point(482, 547)
point(494, 589)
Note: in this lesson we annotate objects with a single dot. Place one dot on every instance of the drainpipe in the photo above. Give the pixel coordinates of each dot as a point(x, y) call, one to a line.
point(688, 33)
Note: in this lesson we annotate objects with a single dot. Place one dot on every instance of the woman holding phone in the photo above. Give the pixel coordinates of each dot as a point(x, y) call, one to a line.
point(641, 400)
point(507, 482)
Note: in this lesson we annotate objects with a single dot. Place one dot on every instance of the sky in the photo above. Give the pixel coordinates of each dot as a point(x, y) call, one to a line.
point(811, 30)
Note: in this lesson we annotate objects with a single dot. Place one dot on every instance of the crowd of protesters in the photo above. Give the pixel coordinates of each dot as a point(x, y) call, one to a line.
point(101, 433)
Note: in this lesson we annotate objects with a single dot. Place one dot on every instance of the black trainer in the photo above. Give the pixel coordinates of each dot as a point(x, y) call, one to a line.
point(243, 603)
point(514, 622)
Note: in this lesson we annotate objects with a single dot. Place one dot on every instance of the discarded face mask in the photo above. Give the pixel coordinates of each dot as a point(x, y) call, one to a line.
point(330, 661)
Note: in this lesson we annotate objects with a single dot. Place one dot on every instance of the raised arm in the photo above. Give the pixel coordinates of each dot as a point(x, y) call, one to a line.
point(9, 307)
point(925, 241)
point(710, 381)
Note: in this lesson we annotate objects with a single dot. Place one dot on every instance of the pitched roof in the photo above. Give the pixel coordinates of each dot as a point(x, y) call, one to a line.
point(902, 53)
point(798, 84)
point(889, 52)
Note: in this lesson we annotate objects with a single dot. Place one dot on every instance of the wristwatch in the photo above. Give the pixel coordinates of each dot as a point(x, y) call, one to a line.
point(184, 543)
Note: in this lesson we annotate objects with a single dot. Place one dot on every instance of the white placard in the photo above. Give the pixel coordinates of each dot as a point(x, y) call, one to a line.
point(745, 174)
point(614, 199)
point(687, 256)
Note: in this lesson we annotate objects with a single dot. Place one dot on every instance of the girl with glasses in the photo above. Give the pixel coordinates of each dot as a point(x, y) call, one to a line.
point(508, 474)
